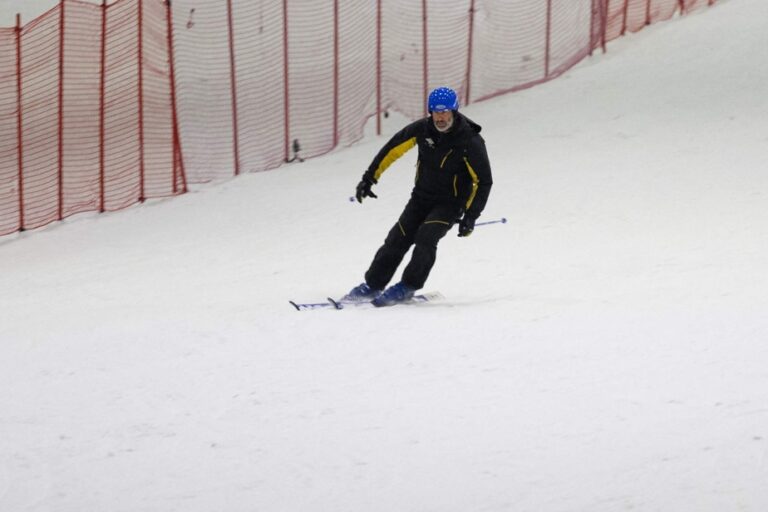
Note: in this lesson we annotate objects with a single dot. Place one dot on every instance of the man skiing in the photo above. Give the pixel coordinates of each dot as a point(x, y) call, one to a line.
point(453, 181)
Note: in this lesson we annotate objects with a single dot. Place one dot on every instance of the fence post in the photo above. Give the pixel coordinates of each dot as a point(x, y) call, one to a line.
point(102, 105)
point(378, 67)
point(592, 29)
point(648, 12)
point(233, 87)
point(624, 20)
point(142, 169)
point(598, 16)
point(468, 79)
point(425, 56)
point(178, 157)
point(335, 73)
point(605, 8)
point(60, 213)
point(286, 99)
point(19, 123)
point(549, 37)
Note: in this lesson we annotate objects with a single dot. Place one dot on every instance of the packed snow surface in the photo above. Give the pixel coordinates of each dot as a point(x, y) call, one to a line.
point(605, 350)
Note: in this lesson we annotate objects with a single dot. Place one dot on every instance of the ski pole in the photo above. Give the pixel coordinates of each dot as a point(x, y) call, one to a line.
point(502, 220)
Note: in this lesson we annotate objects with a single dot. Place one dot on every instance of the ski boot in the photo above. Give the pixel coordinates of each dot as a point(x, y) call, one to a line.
point(395, 294)
point(361, 293)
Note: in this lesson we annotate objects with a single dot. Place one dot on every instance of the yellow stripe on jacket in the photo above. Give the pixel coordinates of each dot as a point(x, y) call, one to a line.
point(394, 153)
point(475, 182)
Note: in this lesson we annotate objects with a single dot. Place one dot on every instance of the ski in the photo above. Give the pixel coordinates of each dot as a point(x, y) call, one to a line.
point(303, 306)
point(332, 303)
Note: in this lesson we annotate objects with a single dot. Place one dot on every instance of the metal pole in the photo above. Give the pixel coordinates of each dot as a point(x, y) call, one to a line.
point(233, 86)
point(468, 78)
point(549, 37)
point(61, 111)
point(102, 105)
point(648, 12)
point(378, 67)
point(592, 29)
point(286, 99)
point(597, 37)
point(425, 56)
point(604, 23)
point(335, 73)
point(19, 123)
point(178, 156)
point(624, 22)
point(142, 168)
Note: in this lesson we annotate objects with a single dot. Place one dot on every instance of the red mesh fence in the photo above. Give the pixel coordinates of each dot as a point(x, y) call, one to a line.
point(86, 112)
point(255, 78)
point(254, 82)
point(9, 154)
point(633, 15)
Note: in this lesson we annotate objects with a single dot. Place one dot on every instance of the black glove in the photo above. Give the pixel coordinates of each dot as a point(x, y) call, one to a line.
point(466, 225)
point(364, 189)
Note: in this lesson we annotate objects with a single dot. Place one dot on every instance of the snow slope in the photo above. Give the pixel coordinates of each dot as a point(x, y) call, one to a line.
point(605, 350)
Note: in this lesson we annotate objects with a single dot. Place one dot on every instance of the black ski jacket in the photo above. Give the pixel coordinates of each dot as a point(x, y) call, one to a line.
point(452, 166)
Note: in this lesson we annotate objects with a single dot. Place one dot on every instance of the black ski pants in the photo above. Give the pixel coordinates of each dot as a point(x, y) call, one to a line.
point(422, 224)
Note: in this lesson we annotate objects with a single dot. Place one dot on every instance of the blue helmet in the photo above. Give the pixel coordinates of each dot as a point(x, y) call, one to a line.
point(442, 99)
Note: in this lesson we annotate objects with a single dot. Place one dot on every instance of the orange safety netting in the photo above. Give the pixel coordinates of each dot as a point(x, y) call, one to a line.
point(86, 117)
point(102, 106)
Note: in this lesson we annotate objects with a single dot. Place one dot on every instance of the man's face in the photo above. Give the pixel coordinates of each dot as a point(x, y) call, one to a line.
point(443, 120)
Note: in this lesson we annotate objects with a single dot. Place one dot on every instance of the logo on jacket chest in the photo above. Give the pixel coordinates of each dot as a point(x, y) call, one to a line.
point(430, 143)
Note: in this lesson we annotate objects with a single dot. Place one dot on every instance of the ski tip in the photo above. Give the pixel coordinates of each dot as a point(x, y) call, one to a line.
point(295, 305)
point(336, 304)
point(503, 220)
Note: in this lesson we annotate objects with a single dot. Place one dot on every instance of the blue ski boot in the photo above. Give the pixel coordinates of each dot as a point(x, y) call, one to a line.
point(395, 294)
point(361, 293)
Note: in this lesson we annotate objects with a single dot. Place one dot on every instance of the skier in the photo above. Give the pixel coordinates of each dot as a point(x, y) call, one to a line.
point(453, 180)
